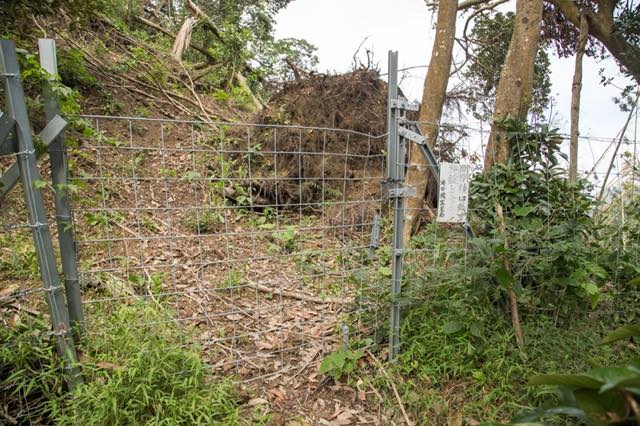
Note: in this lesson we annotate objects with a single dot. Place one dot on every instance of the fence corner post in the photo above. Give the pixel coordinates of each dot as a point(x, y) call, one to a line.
point(38, 221)
point(57, 157)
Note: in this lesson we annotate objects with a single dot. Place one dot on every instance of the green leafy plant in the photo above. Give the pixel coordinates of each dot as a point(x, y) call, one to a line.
point(72, 70)
point(340, 363)
point(18, 256)
point(206, 221)
point(30, 373)
point(284, 239)
point(103, 219)
point(545, 226)
point(139, 367)
point(602, 396)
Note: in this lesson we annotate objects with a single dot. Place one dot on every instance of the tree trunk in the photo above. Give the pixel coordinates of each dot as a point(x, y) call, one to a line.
point(435, 89)
point(513, 96)
point(183, 38)
point(576, 90)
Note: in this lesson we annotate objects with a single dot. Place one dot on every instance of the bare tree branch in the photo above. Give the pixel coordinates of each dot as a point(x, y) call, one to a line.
point(470, 3)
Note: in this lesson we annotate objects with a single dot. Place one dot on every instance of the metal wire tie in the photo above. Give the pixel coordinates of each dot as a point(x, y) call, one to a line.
point(10, 75)
point(52, 289)
point(29, 152)
point(39, 225)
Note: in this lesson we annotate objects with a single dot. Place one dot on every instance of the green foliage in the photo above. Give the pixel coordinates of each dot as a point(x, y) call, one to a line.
point(72, 70)
point(206, 221)
point(150, 373)
point(459, 357)
point(457, 342)
point(30, 374)
point(284, 239)
point(245, 35)
point(548, 222)
point(34, 77)
point(602, 396)
point(18, 256)
point(147, 374)
point(15, 15)
point(247, 31)
point(491, 36)
point(621, 333)
point(103, 220)
point(339, 363)
point(284, 57)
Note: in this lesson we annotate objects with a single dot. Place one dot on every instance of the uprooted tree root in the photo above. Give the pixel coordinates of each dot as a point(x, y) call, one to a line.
point(329, 155)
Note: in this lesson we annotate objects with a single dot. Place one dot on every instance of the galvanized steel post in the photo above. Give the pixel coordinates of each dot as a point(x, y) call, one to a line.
point(395, 180)
point(57, 157)
point(38, 222)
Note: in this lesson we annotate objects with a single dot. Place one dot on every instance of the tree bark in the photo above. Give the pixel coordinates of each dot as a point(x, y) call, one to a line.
point(435, 89)
point(513, 95)
point(183, 38)
point(576, 90)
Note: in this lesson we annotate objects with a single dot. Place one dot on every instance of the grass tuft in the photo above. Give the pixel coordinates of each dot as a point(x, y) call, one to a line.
point(139, 367)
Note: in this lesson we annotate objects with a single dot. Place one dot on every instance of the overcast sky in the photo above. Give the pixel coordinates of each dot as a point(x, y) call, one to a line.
point(338, 27)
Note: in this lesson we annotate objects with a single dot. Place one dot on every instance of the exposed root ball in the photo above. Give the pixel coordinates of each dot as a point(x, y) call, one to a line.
point(353, 101)
point(322, 162)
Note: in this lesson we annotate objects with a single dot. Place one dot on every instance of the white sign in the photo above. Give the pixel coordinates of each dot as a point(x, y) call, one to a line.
point(453, 199)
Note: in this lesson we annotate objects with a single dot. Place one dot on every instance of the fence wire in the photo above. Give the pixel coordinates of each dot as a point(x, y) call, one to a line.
point(257, 237)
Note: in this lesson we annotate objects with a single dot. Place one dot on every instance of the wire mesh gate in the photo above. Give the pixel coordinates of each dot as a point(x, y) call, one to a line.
point(258, 237)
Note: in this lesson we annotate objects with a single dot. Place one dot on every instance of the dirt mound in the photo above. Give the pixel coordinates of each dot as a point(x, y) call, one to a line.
point(334, 144)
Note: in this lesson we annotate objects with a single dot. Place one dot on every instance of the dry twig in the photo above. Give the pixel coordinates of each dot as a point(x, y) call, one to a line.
point(293, 295)
point(393, 387)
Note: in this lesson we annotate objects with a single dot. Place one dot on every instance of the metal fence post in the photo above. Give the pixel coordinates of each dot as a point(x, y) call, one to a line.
point(57, 156)
point(395, 179)
point(38, 221)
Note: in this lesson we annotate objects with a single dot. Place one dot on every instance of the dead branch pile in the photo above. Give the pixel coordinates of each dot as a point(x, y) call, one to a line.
point(354, 101)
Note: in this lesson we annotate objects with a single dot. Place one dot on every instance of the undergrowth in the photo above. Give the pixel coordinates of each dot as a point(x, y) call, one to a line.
point(452, 366)
point(149, 374)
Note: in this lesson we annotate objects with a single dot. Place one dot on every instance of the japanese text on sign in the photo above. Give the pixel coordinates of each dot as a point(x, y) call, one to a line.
point(453, 200)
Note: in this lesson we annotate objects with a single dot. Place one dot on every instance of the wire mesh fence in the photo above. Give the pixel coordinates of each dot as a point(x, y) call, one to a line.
point(257, 237)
